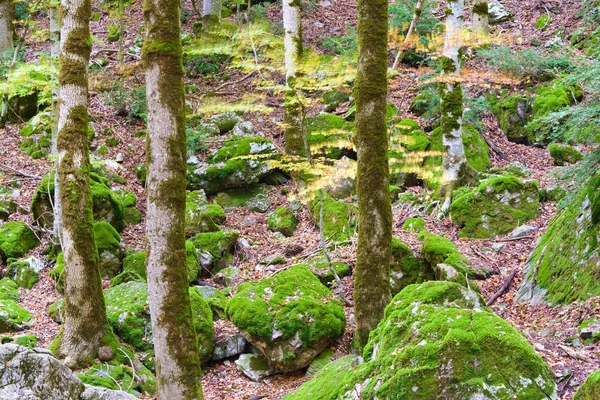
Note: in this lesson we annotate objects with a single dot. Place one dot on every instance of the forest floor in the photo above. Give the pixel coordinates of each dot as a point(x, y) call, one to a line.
point(546, 327)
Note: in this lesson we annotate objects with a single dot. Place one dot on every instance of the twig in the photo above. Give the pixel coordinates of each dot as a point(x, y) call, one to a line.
point(7, 168)
point(576, 354)
point(254, 47)
point(133, 378)
point(501, 291)
point(515, 239)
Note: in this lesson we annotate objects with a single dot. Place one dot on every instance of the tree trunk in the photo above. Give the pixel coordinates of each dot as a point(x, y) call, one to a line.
point(411, 31)
point(7, 9)
point(178, 369)
point(54, 32)
point(85, 323)
point(480, 20)
point(451, 98)
point(372, 273)
point(55, 53)
point(293, 111)
point(211, 13)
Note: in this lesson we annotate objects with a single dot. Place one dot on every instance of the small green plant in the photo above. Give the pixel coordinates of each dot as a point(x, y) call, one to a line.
point(346, 44)
point(203, 64)
point(130, 103)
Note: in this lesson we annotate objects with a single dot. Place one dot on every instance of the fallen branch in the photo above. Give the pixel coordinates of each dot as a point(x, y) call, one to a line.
point(17, 172)
point(503, 289)
point(575, 354)
point(515, 239)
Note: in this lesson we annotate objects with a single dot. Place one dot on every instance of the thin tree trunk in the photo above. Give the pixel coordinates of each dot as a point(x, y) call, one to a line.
point(411, 31)
point(451, 98)
point(55, 53)
point(178, 369)
point(85, 323)
point(372, 273)
point(54, 32)
point(211, 13)
point(293, 110)
point(480, 23)
point(7, 9)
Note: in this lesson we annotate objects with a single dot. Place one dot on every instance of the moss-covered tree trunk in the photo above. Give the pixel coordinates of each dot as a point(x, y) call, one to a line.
point(211, 13)
point(480, 23)
point(7, 8)
point(451, 98)
point(372, 273)
point(85, 321)
point(175, 342)
point(293, 112)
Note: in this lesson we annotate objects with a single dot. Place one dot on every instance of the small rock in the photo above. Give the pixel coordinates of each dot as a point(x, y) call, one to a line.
point(226, 276)
point(254, 366)
point(523, 230)
point(243, 128)
point(259, 204)
point(273, 259)
point(119, 158)
point(244, 243)
point(105, 353)
point(229, 347)
point(498, 247)
point(498, 13)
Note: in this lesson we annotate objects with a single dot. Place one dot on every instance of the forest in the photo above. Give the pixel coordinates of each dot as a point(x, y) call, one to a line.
point(299, 199)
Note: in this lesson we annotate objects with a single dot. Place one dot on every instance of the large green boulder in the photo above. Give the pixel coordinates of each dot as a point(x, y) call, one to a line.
point(26, 272)
point(339, 218)
point(564, 154)
point(330, 136)
point(107, 205)
point(290, 317)
point(8, 205)
point(590, 390)
point(407, 269)
point(108, 243)
point(497, 206)
point(129, 316)
point(513, 114)
point(215, 249)
point(12, 316)
point(283, 220)
point(564, 265)
point(16, 239)
point(201, 216)
point(437, 340)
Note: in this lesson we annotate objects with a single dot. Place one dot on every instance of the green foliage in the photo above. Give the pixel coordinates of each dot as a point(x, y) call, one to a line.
point(130, 103)
point(203, 64)
point(341, 45)
point(401, 15)
point(543, 22)
point(28, 78)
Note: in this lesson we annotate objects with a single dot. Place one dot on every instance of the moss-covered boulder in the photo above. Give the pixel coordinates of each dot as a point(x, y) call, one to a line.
point(121, 377)
point(273, 315)
point(224, 121)
point(107, 205)
point(215, 299)
point(438, 340)
point(590, 390)
point(25, 273)
point(513, 113)
point(8, 206)
point(283, 220)
point(242, 147)
point(564, 154)
point(12, 316)
point(215, 249)
point(320, 268)
point(564, 265)
point(131, 215)
point(330, 136)
point(495, 207)
point(339, 218)
point(414, 225)
point(57, 273)
point(16, 239)
point(200, 216)
point(234, 198)
point(407, 269)
point(108, 242)
point(129, 316)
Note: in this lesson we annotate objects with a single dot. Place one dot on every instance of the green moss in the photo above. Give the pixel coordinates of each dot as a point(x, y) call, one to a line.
point(16, 239)
point(329, 135)
point(25, 273)
point(496, 206)
point(200, 216)
point(283, 220)
point(406, 269)
point(590, 390)
point(338, 218)
point(57, 273)
point(564, 154)
point(242, 147)
point(9, 290)
point(414, 224)
point(285, 302)
point(513, 113)
point(233, 198)
point(217, 248)
point(12, 316)
point(320, 268)
point(26, 341)
point(439, 250)
point(543, 22)
point(215, 298)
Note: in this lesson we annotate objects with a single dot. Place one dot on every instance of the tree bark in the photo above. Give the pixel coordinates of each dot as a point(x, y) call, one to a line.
point(7, 10)
point(54, 32)
point(211, 13)
point(85, 323)
point(372, 273)
point(411, 31)
point(55, 54)
point(177, 357)
point(451, 98)
point(480, 20)
point(293, 111)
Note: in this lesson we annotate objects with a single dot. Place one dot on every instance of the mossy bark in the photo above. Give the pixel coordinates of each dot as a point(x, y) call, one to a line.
point(7, 9)
point(85, 315)
point(480, 21)
point(175, 342)
point(372, 273)
point(293, 110)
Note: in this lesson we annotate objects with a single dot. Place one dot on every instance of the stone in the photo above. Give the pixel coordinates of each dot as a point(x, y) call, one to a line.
point(498, 247)
point(523, 230)
point(225, 121)
point(320, 268)
point(406, 268)
point(332, 99)
point(260, 203)
point(564, 154)
point(243, 128)
point(22, 107)
point(120, 158)
point(226, 276)
point(215, 249)
point(590, 390)
point(34, 374)
point(16, 239)
point(272, 316)
point(498, 13)
point(228, 347)
point(343, 184)
point(26, 272)
point(339, 218)
point(497, 206)
point(105, 353)
point(438, 340)
point(201, 216)
point(255, 366)
point(215, 299)
point(274, 259)
point(283, 220)
point(513, 114)
point(320, 362)
point(108, 243)
point(235, 198)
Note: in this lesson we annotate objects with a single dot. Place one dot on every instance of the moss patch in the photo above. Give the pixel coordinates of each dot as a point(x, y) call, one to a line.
point(590, 390)
point(283, 220)
point(339, 218)
point(564, 154)
point(16, 239)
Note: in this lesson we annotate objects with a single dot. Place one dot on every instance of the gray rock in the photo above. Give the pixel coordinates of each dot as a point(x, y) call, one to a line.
point(226, 276)
point(498, 13)
point(555, 42)
point(34, 374)
point(255, 366)
point(523, 230)
point(498, 247)
point(243, 128)
point(229, 347)
point(273, 259)
point(119, 158)
point(225, 121)
point(260, 203)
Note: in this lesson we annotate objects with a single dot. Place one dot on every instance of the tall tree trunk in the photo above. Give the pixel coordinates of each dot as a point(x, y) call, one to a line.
point(451, 97)
point(480, 23)
point(7, 10)
point(411, 31)
point(54, 31)
point(177, 357)
point(293, 110)
point(211, 13)
point(55, 54)
point(372, 273)
point(85, 323)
